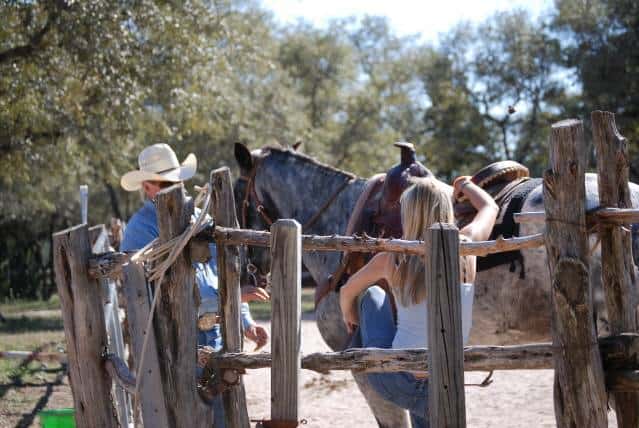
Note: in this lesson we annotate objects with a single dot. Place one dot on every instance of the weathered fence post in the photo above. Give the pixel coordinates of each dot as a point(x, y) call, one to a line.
point(580, 395)
point(137, 311)
point(286, 282)
point(176, 318)
point(446, 399)
point(617, 266)
point(101, 244)
point(223, 211)
point(84, 329)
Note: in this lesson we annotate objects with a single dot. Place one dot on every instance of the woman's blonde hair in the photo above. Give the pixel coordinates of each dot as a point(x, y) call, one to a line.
point(422, 204)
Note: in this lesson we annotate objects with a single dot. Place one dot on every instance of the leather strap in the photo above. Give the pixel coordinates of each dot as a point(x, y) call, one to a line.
point(333, 280)
point(324, 207)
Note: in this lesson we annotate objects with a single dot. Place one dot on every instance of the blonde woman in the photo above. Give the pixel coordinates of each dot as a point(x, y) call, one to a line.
point(368, 307)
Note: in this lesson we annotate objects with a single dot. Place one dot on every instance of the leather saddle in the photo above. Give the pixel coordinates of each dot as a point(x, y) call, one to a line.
point(380, 215)
point(377, 213)
point(499, 180)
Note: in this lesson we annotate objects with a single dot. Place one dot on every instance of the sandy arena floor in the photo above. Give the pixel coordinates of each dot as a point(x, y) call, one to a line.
point(521, 398)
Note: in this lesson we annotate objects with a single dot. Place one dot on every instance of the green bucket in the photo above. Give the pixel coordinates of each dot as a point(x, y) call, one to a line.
point(57, 418)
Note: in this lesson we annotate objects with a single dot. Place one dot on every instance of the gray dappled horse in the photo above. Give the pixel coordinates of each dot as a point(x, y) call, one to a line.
point(292, 185)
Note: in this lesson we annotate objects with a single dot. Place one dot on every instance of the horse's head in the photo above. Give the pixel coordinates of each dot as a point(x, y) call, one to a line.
point(255, 260)
point(279, 183)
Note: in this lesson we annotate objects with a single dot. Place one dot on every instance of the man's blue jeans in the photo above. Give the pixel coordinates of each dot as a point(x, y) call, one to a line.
point(377, 330)
point(213, 338)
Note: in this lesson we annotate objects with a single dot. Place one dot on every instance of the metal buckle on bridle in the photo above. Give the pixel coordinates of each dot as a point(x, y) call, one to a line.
point(252, 272)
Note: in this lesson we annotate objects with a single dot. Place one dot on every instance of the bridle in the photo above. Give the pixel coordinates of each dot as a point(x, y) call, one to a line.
point(251, 193)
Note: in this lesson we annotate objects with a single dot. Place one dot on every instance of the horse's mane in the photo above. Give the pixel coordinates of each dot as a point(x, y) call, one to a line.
point(280, 151)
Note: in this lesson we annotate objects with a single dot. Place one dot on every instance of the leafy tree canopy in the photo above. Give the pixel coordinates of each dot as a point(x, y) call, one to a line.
point(84, 86)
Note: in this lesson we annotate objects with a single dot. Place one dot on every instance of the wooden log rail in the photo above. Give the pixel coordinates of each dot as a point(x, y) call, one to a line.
point(620, 354)
point(367, 244)
point(602, 215)
point(110, 264)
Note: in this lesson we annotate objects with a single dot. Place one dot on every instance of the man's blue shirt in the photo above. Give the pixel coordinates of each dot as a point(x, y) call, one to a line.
point(142, 228)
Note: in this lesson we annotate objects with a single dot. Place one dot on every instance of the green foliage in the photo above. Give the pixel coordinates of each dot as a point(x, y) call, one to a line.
point(85, 85)
point(600, 44)
point(506, 72)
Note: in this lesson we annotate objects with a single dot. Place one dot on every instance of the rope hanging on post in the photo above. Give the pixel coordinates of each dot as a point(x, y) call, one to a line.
point(153, 253)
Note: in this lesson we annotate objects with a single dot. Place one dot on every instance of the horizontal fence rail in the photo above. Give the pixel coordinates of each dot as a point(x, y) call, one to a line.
point(110, 264)
point(619, 353)
point(601, 215)
point(367, 244)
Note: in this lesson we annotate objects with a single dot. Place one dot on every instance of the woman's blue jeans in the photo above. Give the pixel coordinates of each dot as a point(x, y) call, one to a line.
point(377, 330)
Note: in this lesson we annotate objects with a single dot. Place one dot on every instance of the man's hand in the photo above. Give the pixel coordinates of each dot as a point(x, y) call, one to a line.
point(257, 334)
point(254, 294)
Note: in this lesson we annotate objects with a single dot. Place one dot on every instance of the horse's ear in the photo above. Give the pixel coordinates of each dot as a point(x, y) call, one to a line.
point(297, 145)
point(243, 156)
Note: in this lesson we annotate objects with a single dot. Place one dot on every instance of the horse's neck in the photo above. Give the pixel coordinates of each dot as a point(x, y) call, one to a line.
point(298, 192)
point(334, 220)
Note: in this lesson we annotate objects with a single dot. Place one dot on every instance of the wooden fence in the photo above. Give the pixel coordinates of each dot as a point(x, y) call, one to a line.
point(586, 367)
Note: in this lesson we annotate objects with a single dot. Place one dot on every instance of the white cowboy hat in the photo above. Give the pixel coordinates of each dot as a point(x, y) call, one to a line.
point(159, 163)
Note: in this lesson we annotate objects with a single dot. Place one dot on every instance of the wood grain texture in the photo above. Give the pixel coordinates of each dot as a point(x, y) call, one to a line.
point(619, 353)
point(617, 265)
point(446, 397)
point(137, 311)
point(580, 396)
point(228, 261)
point(84, 329)
point(107, 265)
point(110, 264)
point(286, 283)
point(99, 236)
point(176, 317)
point(367, 244)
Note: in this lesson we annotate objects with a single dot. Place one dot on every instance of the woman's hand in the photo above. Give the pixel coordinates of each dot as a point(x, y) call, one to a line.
point(254, 294)
point(349, 312)
point(459, 183)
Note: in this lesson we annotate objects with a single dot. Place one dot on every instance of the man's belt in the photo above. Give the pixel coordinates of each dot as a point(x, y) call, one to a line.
point(208, 320)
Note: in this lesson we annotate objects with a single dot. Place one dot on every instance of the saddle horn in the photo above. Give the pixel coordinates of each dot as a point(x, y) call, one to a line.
point(407, 153)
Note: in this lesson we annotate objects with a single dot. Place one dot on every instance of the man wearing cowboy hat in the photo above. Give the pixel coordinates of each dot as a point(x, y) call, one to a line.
point(159, 168)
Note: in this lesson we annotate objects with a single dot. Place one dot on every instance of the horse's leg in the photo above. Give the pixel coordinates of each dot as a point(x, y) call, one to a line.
point(333, 331)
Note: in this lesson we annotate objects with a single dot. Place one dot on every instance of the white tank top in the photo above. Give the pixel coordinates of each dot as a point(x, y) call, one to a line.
point(412, 321)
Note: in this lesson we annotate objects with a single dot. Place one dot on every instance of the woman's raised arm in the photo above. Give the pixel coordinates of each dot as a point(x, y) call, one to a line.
point(482, 224)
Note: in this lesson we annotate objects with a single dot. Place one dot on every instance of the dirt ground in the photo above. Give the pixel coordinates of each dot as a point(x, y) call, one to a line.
point(515, 399)
point(519, 398)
